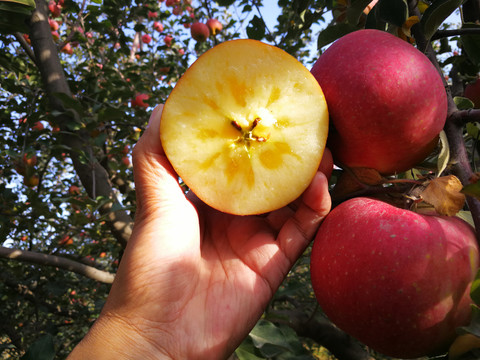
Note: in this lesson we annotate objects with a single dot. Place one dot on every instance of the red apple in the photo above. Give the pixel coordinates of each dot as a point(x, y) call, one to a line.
point(386, 100)
point(53, 24)
point(158, 26)
point(152, 14)
point(472, 92)
point(29, 159)
point(215, 26)
point(394, 279)
point(67, 49)
point(74, 190)
point(168, 40)
point(146, 39)
point(38, 126)
point(139, 101)
point(54, 9)
point(199, 31)
point(31, 181)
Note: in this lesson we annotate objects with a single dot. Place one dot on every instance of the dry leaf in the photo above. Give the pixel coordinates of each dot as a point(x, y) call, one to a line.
point(444, 194)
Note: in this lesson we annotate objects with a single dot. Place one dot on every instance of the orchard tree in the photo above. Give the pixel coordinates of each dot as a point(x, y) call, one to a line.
point(78, 82)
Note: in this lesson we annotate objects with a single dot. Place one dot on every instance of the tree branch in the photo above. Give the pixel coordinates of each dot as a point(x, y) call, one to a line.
point(455, 32)
point(57, 261)
point(93, 176)
point(26, 47)
point(454, 125)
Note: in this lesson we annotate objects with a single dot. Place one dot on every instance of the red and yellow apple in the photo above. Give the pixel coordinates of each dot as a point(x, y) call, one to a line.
point(214, 25)
point(387, 102)
point(397, 280)
point(245, 127)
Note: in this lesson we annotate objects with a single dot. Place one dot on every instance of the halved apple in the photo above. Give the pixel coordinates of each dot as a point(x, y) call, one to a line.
point(245, 127)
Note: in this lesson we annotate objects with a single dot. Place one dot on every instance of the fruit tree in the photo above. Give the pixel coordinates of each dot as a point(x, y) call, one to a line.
point(79, 79)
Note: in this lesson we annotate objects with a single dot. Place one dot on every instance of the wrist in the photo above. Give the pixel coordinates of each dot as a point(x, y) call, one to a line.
point(115, 338)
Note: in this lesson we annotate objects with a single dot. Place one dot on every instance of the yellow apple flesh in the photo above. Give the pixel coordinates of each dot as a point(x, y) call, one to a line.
point(245, 127)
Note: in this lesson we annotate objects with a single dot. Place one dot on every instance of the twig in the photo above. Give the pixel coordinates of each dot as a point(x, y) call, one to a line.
point(57, 261)
point(455, 32)
point(26, 47)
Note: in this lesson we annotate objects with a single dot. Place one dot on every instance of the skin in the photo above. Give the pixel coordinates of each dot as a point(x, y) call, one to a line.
point(194, 281)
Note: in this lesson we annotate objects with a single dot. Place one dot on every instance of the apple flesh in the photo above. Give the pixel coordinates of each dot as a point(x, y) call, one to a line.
point(245, 127)
point(394, 279)
point(387, 102)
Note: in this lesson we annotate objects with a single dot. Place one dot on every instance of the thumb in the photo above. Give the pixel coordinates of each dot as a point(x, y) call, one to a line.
point(155, 179)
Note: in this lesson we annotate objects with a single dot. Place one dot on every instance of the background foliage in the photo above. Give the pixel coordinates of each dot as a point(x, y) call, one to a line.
point(69, 119)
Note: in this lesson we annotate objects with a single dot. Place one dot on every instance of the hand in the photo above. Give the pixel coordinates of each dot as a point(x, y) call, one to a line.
point(194, 281)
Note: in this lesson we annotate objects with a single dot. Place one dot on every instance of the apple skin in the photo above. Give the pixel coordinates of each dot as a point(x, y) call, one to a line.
point(215, 26)
point(472, 92)
point(396, 280)
point(387, 102)
point(139, 101)
point(200, 31)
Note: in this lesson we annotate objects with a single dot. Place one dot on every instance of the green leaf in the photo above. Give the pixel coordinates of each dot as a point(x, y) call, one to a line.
point(472, 190)
point(471, 44)
point(256, 28)
point(28, 3)
point(475, 289)
point(42, 349)
point(436, 14)
point(393, 11)
point(334, 32)
point(224, 2)
point(473, 130)
point(463, 103)
point(266, 332)
point(356, 10)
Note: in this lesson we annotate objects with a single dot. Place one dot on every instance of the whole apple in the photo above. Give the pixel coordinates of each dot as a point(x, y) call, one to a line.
point(396, 280)
point(139, 101)
point(215, 26)
point(472, 92)
point(387, 102)
point(199, 31)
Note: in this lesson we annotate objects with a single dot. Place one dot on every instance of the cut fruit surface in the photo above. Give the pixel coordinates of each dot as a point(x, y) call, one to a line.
point(245, 127)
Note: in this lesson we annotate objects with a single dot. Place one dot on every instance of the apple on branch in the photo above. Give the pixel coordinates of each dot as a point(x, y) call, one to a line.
point(397, 280)
point(200, 31)
point(245, 127)
point(386, 100)
point(214, 25)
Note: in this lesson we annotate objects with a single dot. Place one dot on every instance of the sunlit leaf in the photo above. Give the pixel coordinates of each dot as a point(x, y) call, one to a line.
point(444, 156)
point(463, 103)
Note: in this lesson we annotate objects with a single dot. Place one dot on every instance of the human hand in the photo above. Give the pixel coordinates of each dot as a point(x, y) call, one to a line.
point(194, 281)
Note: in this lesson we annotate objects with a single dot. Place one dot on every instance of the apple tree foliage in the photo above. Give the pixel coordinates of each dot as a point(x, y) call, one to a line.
point(71, 72)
